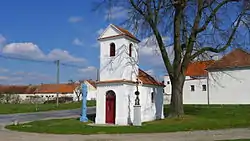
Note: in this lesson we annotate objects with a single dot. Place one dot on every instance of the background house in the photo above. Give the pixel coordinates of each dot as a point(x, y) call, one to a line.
point(17, 93)
point(44, 92)
point(92, 91)
point(195, 86)
point(49, 91)
point(229, 79)
point(224, 81)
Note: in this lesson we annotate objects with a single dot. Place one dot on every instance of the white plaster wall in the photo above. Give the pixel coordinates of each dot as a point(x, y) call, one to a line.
point(198, 96)
point(125, 100)
point(110, 31)
point(148, 109)
point(229, 86)
point(121, 103)
point(120, 66)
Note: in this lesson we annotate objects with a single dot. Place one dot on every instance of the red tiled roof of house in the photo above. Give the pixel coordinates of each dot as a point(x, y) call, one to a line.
point(236, 58)
point(123, 32)
point(18, 89)
point(198, 68)
point(143, 76)
point(56, 88)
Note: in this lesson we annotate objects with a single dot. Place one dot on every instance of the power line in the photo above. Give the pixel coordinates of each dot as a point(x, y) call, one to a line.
point(38, 61)
point(24, 59)
point(70, 65)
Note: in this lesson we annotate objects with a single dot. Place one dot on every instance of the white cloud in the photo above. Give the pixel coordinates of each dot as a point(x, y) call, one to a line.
point(23, 77)
point(28, 50)
point(150, 54)
point(75, 19)
point(100, 31)
point(32, 51)
point(3, 78)
point(116, 13)
point(3, 70)
point(89, 72)
point(63, 55)
point(2, 39)
point(77, 42)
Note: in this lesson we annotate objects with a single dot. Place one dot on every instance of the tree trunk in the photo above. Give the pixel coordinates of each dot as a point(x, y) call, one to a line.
point(78, 97)
point(176, 105)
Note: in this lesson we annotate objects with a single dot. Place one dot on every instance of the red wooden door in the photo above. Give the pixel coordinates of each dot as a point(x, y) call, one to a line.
point(110, 107)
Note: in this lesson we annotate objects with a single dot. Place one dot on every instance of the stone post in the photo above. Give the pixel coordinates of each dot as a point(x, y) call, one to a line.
point(137, 107)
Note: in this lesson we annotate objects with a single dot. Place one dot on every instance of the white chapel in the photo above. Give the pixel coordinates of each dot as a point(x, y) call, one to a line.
point(118, 78)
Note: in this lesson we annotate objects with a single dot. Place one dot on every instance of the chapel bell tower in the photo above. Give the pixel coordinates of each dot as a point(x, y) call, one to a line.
point(118, 55)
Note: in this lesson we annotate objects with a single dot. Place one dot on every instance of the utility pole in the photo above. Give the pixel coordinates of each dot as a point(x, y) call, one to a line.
point(97, 75)
point(57, 81)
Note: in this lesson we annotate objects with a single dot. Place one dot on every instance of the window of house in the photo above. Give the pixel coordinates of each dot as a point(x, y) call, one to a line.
point(168, 82)
point(42, 96)
point(204, 87)
point(52, 95)
point(192, 88)
point(112, 49)
point(152, 97)
point(130, 49)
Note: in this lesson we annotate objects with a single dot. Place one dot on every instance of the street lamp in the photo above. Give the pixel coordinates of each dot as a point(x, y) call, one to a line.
point(137, 107)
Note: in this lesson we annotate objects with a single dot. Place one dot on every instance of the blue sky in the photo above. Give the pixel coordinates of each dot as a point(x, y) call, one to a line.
point(49, 30)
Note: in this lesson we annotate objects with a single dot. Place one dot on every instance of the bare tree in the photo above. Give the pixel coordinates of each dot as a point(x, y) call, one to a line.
point(78, 90)
point(196, 27)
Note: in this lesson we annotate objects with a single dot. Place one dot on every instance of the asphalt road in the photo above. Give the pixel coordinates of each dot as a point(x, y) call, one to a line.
point(25, 117)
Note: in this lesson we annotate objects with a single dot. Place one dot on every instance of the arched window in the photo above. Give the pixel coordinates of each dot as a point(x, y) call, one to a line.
point(130, 49)
point(112, 49)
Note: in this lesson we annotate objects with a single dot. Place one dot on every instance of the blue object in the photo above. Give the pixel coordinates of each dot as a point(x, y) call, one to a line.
point(84, 103)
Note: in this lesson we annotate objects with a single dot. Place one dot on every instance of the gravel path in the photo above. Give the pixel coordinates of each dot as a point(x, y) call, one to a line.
point(7, 135)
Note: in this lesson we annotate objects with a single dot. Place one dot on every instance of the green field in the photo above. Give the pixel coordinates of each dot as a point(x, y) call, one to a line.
point(196, 118)
point(26, 108)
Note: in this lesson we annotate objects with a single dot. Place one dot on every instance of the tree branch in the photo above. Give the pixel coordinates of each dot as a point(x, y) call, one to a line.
point(218, 50)
point(158, 37)
point(209, 19)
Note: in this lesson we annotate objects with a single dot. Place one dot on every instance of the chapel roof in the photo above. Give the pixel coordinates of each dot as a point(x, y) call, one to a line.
point(124, 32)
point(92, 82)
point(144, 77)
point(235, 59)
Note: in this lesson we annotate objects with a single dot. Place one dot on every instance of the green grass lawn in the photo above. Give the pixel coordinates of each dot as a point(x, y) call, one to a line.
point(26, 108)
point(196, 118)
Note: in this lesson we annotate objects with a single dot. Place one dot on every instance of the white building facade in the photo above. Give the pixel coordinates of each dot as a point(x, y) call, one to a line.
point(118, 75)
point(224, 81)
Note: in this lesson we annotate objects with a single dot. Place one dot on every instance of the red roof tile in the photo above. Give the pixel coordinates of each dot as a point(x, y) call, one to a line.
point(147, 79)
point(236, 58)
point(124, 32)
point(56, 88)
point(198, 68)
point(17, 89)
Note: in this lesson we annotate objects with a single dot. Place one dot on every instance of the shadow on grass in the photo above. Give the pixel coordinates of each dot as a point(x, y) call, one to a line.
point(91, 117)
